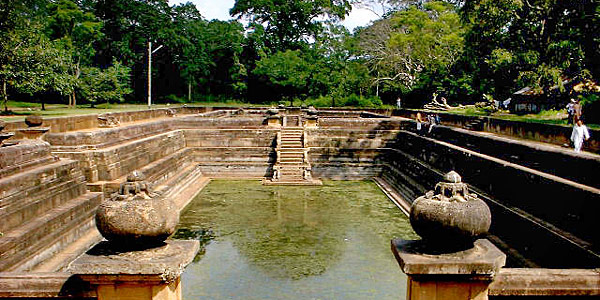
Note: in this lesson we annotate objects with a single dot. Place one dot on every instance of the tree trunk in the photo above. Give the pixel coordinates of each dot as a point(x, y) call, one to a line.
point(72, 97)
point(190, 91)
point(4, 95)
point(43, 105)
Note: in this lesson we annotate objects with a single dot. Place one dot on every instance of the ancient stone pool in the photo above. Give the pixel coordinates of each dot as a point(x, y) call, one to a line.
point(286, 242)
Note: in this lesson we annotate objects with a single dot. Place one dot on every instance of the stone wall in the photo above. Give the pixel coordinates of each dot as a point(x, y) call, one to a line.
point(235, 144)
point(263, 137)
point(82, 122)
point(556, 161)
point(523, 200)
point(28, 154)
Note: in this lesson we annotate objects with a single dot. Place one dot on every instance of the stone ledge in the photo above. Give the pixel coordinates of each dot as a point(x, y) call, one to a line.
point(546, 282)
point(44, 285)
point(164, 264)
point(417, 259)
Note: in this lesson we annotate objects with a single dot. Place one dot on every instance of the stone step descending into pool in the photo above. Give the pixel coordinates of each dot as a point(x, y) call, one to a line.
point(292, 166)
point(45, 210)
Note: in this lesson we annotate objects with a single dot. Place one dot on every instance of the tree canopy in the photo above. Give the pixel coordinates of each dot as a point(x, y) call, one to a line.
point(86, 50)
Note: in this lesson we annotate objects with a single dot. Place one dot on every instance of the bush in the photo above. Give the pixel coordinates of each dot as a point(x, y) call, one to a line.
point(359, 101)
point(351, 100)
point(322, 101)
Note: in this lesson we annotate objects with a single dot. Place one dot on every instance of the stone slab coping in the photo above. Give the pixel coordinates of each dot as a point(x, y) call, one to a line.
point(546, 282)
point(417, 258)
point(164, 263)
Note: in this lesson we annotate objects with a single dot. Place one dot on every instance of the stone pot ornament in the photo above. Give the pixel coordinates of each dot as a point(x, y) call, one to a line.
point(136, 216)
point(450, 215)
point(34, 121)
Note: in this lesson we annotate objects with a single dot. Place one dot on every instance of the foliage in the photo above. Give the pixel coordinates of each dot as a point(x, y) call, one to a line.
point(289, 50)
point(352, 100)
point(288, 24)
point(412, 45)
point(31, 63)
point(109, 85)
point(512, 43)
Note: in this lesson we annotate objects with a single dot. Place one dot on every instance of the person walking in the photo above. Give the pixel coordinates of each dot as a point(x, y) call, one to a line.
point(419, 120)
point(577, 111)
point(571, 111)
point(580, 133)
point(432, 122)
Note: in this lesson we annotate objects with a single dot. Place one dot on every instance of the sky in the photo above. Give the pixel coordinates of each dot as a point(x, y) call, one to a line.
point(219, 9)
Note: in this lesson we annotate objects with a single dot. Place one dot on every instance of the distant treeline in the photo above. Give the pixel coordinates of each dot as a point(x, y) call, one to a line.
point(92, 51)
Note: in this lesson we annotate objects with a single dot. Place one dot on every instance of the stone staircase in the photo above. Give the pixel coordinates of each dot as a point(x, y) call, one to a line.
point(44, 209)
point(291, 155)
point(292, 166)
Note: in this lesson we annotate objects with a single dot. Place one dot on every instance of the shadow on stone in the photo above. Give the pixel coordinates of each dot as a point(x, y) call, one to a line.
point(106, 248)
point(436, 247)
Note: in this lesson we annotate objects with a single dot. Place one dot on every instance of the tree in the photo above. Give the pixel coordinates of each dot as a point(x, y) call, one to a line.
point(400, 49)
point(290, 23)
point(77, 31)
point(31, 63)
point(111, 84)
point(512, 43)
point(192, 56)
point(288, 69)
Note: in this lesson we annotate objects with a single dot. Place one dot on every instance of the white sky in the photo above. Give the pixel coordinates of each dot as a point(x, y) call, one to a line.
point(219, 9)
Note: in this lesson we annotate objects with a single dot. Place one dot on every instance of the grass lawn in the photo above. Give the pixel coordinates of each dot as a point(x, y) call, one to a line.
point(22, 109)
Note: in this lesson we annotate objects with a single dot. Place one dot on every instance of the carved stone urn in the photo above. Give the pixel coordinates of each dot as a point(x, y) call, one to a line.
point(136, 216)
point(450, 215)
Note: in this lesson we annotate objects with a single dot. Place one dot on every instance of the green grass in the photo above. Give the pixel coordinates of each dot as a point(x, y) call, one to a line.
point(19, 110)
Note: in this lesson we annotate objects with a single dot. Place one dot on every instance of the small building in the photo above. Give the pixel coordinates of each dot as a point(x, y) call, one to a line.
point(531, 101)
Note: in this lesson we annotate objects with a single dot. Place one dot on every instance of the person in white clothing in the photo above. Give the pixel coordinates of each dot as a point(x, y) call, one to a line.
point(580, 132)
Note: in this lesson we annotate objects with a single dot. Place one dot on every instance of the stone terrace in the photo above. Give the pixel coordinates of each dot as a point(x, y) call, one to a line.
point(542, 210)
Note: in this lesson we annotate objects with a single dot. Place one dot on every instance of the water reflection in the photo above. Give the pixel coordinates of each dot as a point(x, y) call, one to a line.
point(310, 239)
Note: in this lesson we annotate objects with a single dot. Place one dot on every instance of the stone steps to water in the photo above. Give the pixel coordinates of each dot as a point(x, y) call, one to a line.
point(26, 195)
point(29, 240)
point(292, 162)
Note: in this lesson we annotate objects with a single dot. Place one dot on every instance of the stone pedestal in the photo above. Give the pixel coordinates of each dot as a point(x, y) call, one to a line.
point(142, 275)
point(458, 275)
point(33, 133)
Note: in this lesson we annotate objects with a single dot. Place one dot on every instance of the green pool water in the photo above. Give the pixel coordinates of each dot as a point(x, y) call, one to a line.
point(285, 242)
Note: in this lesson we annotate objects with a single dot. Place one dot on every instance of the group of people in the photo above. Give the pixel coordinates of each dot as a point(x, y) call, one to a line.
point(579, 134)
point(580, 131)
point(429, 123)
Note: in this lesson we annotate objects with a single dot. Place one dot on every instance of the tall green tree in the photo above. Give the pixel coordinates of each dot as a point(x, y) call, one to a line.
point(516, 43)
point(411, 47)
point(192, 56)
point(290, 23)
point(108, 85)
point(31, 63)
point(77, 31)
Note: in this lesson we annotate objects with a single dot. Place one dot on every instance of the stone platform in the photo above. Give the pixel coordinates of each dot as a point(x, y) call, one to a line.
point(312, 182)
point(143, 274)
